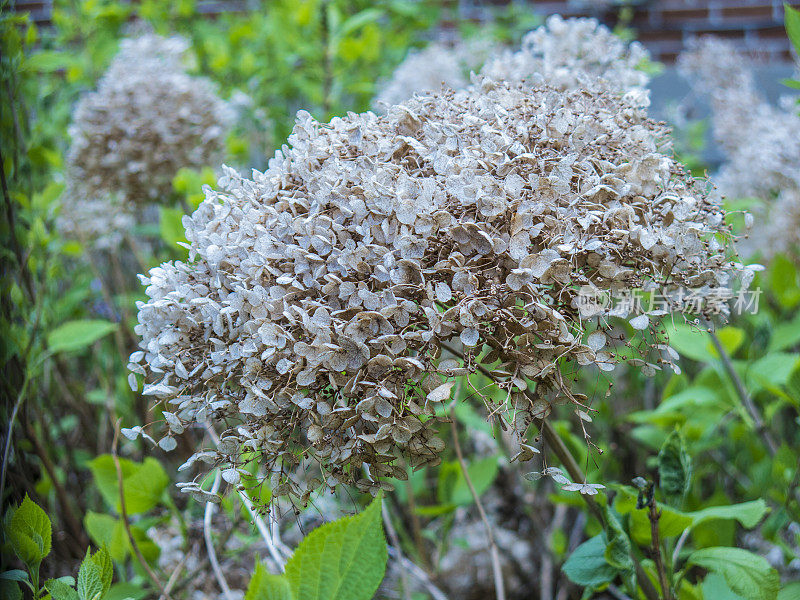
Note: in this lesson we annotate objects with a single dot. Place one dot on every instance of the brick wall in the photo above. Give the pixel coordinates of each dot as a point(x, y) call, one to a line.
point(663, 26)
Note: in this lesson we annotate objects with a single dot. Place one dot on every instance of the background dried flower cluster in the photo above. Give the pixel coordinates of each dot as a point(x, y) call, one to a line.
point(147, 119)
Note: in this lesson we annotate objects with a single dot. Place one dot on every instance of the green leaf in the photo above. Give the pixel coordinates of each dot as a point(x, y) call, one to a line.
point(126, 591)
point(746, 574)
point(9, 590)
point(30, 533)
point(618, 549)
point(342, 559)
point(587, 565)
point(144, 483)
point(60, 590)
point(715, 588)
point(790, 592)
point(792, 20)
point(75, 335)
point(14, 575)
point(453, 488)
point(170, 225)
point(749, 514)
point(265, 586)
point(772, 370)
point(785, 335)
point(108, 531)
point(674, 469)
point(94, 576)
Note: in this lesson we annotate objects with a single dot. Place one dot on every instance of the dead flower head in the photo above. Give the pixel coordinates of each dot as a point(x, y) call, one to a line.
point(311, 316)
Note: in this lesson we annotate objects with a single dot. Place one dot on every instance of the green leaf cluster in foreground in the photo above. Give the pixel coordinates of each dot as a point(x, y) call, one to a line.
point(342, 560)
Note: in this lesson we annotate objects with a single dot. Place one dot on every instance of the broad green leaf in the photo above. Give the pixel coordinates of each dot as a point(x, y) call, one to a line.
point(481, 472)
point(144, 483)
point(30, 533)
point(618, 549)
point(342, 559)
point(171, 226)
point(790, 592)
point(671, 523)
point(674, 469)
point(108, 531)
point(126, 591)
point(792, 19)
point(747, 574)
point(731, 339)
point(265, 586)
point(60, 590)
point(785, 335)
point(9, 590)
point(783, 281)
point(690, 342)
point(749, 514)
point(772, 370)
point(14, 575)
point(716, 588)
point(75, 335)
point(94, 576)
point(587, 565)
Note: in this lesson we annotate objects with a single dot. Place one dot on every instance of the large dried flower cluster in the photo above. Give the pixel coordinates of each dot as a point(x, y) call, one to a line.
point(570, 54)
point(312, 318)
point(147, 119)
point(437, 65)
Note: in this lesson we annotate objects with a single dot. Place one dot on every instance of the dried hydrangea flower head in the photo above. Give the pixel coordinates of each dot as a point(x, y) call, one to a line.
point(311, 317)
point(96, 220)
point(433, 67)
point(759, 138)
point(571, 53)
point(147, 119)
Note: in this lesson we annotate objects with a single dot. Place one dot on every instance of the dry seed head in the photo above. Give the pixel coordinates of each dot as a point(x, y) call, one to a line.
point(310, 318)
point(147, 119)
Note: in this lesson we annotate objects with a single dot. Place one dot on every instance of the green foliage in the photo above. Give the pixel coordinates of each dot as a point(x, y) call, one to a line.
point(144, 483)
point(343, 559)
point(674, 469)
point(94, 577)
point(30, 533)
point(265, 586)
point(77, 335)
point(747, 574)
point(587, 565)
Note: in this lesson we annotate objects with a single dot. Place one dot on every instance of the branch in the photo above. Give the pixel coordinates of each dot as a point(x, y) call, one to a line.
point(654, 514)
point(126, 521)
point(741, 391)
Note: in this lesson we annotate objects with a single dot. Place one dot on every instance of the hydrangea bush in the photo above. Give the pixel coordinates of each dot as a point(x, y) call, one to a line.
point(314, 315)
point(146, 120)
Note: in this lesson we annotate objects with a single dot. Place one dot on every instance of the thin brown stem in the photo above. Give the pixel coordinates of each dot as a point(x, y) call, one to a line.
point(654, 514)
point(126, 521)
